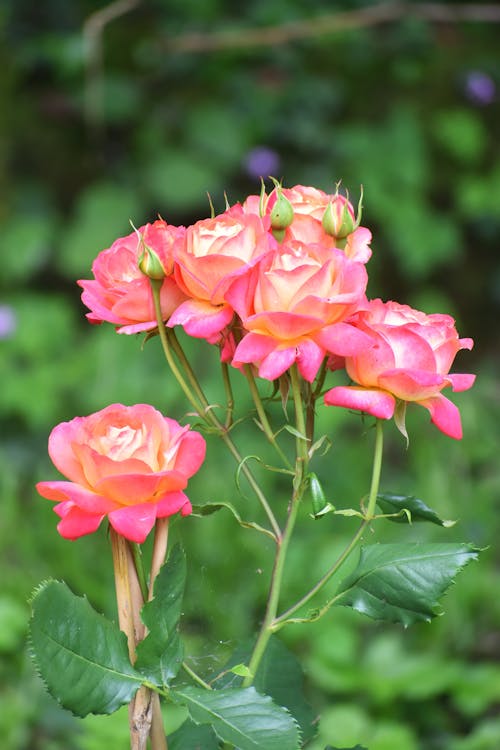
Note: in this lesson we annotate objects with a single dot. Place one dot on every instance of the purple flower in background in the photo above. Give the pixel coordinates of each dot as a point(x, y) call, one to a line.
point(480, 87)
point(262, 161)
point(8, 321)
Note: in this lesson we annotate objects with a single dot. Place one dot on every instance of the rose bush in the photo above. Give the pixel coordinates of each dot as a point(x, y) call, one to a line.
point(293, 305)
point(129, 463)
point(409, 359)
point(120, 293)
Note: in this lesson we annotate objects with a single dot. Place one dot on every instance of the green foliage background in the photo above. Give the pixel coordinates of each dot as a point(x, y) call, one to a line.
point(89, 142)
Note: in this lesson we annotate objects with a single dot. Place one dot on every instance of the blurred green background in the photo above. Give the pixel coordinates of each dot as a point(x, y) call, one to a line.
point(139, 110)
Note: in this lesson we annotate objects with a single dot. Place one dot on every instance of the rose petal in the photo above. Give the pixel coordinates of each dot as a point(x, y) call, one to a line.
point(134, 522)
point(191, 454)
point(309, 359)
point(445, 415)
point(411, 385)
point(277, 362)
point(76, 523)
point(173, 503)
point(133, 489)
point(377, 403)
point(252, 349)
point(86, 500)
point(343, 339)
point(461, 381)
point(200, 318)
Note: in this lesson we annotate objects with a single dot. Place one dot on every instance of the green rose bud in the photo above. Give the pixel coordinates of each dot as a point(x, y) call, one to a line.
point(149, 262)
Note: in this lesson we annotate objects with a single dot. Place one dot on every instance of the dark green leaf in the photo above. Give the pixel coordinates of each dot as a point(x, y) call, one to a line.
point(389, 502)
point(160, 654)
point(280, 676)
point(241, 716)
point(81, 656)
point(357, 747)
point(403, 582)
point(191, 736)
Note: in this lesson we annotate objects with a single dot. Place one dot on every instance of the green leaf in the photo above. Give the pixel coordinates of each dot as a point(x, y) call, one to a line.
point(357, 747)
point(390, 503)
point(241, 670)
point(241, 716)
point(81, 656)
point(403, 582)
point(280, 676)
point(193, 736)
point(160, 654)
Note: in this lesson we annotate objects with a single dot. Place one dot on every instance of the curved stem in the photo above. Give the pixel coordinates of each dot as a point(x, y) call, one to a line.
point(372, 499)
point(283, 618)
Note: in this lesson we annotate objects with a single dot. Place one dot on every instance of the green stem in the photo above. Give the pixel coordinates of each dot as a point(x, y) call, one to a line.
point(263, 416)
point(186, 365)
point(229, 395)
point(377, 467)
point(156, 287)
point(372, 499)
point(139, 568)
point(300, 423)
point(274, 592)
point(283, 618)
point(266, 629)
point(195, 677)
point(200, 402)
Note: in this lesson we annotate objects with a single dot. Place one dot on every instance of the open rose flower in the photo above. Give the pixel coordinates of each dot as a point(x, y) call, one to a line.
point(129, 463)
point(309, 205)
point(214, 252)
point(409, 359)
point(120, 293)
point(293, 305)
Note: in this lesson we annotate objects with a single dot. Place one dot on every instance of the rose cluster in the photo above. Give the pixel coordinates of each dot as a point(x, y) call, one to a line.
point(277, 280)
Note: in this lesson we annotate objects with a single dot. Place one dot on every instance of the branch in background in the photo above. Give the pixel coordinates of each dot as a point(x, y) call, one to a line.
point(333, 23)
point(93, 30)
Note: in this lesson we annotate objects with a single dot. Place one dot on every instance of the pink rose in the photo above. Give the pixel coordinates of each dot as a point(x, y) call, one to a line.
point(128, 463)
point(121, 293)
point(409, 359)
point(293, 305)
point(213, 253)
point(309, 206)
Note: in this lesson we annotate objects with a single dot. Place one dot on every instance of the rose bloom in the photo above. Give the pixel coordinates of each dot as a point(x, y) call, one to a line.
point(409, 359)
point(293, 305)
point(213, 253)
point(129, 463)
point(120, 293)
point(309, 205)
